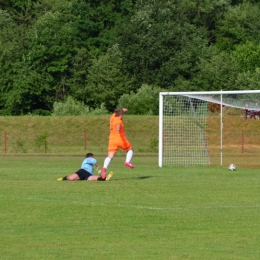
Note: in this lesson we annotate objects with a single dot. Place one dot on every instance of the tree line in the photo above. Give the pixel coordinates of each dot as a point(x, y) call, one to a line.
point(105, 52)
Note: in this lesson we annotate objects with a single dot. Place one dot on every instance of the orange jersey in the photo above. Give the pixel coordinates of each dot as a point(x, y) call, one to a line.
point(117, 139)
point(114, 121)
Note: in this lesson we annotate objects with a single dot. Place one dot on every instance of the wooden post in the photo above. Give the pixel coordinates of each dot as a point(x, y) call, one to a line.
point(242, 141)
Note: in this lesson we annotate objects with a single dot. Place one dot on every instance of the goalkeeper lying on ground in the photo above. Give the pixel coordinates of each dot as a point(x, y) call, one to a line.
point(86, 171)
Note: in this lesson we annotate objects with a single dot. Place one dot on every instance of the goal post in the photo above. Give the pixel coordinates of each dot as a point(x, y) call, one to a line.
point(183, 122)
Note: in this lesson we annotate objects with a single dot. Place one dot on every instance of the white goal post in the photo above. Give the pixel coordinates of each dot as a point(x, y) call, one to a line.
point(183, 123)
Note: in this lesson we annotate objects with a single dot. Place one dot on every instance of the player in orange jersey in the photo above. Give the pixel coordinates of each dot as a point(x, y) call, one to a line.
point(117, 139)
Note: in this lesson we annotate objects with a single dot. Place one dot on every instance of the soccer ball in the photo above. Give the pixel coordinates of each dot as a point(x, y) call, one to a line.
point(232, 167)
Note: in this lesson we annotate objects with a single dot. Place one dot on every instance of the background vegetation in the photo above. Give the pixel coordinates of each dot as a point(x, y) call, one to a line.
point(101, 53)
point(76, 135)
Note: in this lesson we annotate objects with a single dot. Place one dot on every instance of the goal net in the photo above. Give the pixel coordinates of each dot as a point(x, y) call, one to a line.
point(184, 118)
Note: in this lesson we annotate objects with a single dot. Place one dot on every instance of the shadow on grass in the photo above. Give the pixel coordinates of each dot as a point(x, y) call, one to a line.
point(134, 178)
point(143, 177)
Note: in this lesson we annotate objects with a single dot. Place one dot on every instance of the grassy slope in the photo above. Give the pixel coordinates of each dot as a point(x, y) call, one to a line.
point(66, 135)
point(232, 127)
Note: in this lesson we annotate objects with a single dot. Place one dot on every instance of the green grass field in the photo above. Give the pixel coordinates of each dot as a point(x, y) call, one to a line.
point(144, 213)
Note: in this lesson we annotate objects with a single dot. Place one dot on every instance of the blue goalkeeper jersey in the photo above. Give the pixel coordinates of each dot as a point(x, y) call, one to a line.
point(88, 164)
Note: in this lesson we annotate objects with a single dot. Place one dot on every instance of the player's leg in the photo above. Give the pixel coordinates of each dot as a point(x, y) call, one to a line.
point(95, 178)
point(112, 149)
point(107, 161)
point(73, 177)
point(129, 154)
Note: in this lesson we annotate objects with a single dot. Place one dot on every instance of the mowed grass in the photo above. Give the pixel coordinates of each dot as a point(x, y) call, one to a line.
point(142, 213)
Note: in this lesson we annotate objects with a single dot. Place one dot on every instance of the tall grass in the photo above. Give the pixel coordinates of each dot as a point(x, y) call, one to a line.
point(142, 213)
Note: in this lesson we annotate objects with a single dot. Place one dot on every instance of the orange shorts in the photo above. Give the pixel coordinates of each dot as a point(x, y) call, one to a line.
point(114, 144)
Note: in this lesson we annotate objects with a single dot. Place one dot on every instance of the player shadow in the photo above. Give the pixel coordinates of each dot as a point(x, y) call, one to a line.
point(135, 178)
point(143, 177)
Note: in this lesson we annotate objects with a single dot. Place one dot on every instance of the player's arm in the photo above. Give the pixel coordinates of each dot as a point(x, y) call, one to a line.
point(118, 129)
point(97, 168)
point(94, 162)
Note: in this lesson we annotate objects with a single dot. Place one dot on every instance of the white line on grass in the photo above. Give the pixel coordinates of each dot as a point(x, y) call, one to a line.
point(173, 208)
point(147, 207)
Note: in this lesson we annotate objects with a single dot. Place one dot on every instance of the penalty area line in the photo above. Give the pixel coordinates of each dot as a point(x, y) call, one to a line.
point(142, 207)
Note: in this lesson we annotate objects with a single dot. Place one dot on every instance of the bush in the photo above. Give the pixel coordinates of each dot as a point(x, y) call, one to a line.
point(144, 102)
point(41, 141)
point(72, 107)
point(99, 111)
point(41, 112)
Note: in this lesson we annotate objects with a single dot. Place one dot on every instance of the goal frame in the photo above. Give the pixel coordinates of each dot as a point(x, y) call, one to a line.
point(161, 98)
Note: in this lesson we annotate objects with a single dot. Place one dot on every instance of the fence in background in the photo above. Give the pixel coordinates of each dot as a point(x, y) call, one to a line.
point(240, 147)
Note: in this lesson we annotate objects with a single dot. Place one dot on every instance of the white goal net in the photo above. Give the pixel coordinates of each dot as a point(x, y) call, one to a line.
point(183, 123)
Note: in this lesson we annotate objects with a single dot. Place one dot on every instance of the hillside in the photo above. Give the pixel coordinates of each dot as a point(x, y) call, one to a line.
point(77, 135)
point(66, 135)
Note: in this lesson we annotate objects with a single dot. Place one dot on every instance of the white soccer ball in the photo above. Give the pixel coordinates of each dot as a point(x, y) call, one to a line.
point(232, 167)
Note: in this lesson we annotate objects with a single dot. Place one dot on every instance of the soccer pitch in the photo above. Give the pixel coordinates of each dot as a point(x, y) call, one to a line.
point(142, 213)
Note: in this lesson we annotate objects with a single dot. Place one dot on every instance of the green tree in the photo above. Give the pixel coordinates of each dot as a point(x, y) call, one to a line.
point(106, 80)
point(144, 102)
point(205, 13)
point(96, 23)
point(80, 64)
point(48, 47)
point(247, 55)
point(248, 80)
point(159, 44)
point(217, 70)
point(35, 60)
point(13, 42)
point(46, 62)
point(241, 23)
point(22, 11)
